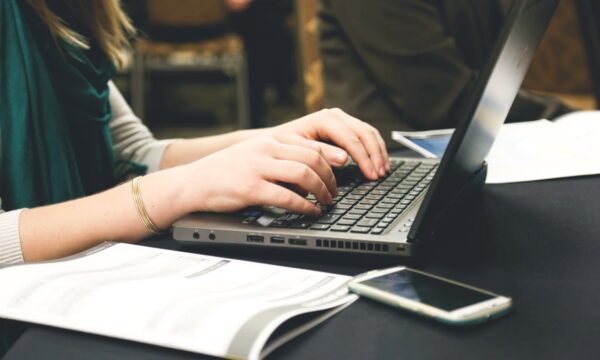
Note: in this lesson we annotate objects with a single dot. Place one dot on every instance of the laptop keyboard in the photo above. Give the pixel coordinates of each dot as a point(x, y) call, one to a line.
point(365, 207)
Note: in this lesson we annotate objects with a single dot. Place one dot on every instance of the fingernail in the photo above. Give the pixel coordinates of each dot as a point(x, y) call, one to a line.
point(382, 171)
point(340, 156)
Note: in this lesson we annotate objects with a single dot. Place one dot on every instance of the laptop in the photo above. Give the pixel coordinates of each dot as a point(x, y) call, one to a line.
point(393, 215)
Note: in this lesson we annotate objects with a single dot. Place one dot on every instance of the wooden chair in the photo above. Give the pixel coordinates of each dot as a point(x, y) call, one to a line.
point(589, 18)
point(566, 63)
point(311, 65)
point(223, 53)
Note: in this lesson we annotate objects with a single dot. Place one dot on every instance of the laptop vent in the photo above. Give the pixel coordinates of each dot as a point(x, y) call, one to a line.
point(352, 245)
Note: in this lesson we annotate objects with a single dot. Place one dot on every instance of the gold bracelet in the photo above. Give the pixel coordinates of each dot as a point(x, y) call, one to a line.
point(141, 209)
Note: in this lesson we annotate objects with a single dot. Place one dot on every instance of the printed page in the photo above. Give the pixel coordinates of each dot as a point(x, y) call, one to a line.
point(185, 301)
point(538, 150)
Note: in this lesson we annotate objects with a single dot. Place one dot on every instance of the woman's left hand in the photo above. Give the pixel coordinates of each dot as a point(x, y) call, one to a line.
point(357, 138)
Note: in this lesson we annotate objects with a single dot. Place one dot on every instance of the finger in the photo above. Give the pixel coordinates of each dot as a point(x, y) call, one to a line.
point(332, 154)
point(272, 194)
point(298, 174)
point(386, 156)
point(312, 159)
point(341, 134)
point(371, 138)
point(382, 147)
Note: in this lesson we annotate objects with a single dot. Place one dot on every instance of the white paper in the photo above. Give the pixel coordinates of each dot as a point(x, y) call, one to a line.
point(541, 149)
point(185, 301)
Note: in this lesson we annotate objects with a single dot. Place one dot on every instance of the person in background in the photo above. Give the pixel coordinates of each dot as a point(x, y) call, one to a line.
point(269, 43)
point(68, 140)
point(406, 65)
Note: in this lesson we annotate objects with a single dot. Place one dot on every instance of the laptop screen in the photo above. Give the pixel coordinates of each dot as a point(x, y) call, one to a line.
point(485, 110)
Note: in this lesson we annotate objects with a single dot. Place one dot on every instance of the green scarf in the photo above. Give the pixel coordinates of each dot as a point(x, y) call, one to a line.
point(54, 113)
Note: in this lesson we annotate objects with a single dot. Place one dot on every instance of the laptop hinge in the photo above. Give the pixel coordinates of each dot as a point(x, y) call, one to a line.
point(453, 208)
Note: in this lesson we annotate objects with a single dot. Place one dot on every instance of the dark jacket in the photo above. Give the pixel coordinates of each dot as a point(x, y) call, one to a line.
point(404, 64)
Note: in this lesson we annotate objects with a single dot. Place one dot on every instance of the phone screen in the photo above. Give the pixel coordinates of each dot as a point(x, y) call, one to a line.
point(427, 290)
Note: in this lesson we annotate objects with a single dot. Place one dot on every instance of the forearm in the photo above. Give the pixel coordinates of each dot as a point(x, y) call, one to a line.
point(63, 229)
point(186, 151)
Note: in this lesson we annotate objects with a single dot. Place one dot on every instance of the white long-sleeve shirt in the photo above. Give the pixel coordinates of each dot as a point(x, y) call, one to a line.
point(132, 142)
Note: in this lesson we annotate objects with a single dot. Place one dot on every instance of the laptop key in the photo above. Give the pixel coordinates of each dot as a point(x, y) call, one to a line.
point(336, 211)
point(389, 201)
point(320, 227)
point(380, 210)
point(373, 215)
point(346, 222)
point(353, 197)
point(360, 229)
point(342, 206)
point(373, 197)
point(389, 217)
point(358, 211)
point(367, 222)
point(341, 228)
point(377, 230)
point(364, 207)
point(303, 223)
point(328, 219)
point(280, 224)
point(347, 201)
point(300, 225)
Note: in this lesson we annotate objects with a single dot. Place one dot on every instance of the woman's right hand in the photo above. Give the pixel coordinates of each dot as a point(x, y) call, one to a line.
point(262, 171)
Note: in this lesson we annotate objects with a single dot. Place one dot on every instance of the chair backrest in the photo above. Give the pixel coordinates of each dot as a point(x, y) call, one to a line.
point(311, 66)
point(589, 17)
point(189, 13)
point(561, 63)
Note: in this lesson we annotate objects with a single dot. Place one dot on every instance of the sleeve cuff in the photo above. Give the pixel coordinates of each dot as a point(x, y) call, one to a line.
point(153, 155)
point(10, 240)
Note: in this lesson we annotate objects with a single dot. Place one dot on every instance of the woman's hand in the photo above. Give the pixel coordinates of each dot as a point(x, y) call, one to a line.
point(362, 141)
point(263, 171)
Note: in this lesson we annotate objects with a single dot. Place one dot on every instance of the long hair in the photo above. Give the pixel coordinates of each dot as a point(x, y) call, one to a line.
point(106, 20)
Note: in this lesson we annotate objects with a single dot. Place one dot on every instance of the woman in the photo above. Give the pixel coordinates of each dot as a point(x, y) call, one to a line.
point(67, 137)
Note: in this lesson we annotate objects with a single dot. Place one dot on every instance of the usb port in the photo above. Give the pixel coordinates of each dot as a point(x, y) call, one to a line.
point(301, 242)
point(277, 240)
point(255, 238)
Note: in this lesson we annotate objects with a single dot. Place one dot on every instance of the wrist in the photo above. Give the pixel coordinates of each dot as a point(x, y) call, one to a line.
point(164, 195)
point(190, 189)
point(242, 135)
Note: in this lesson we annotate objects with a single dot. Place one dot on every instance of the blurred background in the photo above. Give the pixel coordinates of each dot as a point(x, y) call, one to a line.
point(201, 67)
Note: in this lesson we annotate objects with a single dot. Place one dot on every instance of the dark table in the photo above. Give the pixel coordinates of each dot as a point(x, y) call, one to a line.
point(537, 242)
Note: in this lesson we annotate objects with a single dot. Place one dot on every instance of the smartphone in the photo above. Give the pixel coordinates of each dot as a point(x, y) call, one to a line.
point(442, 299)
point(431, 144)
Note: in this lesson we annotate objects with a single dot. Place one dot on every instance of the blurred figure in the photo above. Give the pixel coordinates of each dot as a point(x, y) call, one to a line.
point(407, 64)
point(269, 46)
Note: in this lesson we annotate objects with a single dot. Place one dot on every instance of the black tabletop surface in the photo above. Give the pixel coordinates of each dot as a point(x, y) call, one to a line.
point(537, 242)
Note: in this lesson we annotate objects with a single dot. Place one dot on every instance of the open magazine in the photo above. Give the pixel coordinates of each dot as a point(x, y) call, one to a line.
point(210, 305)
